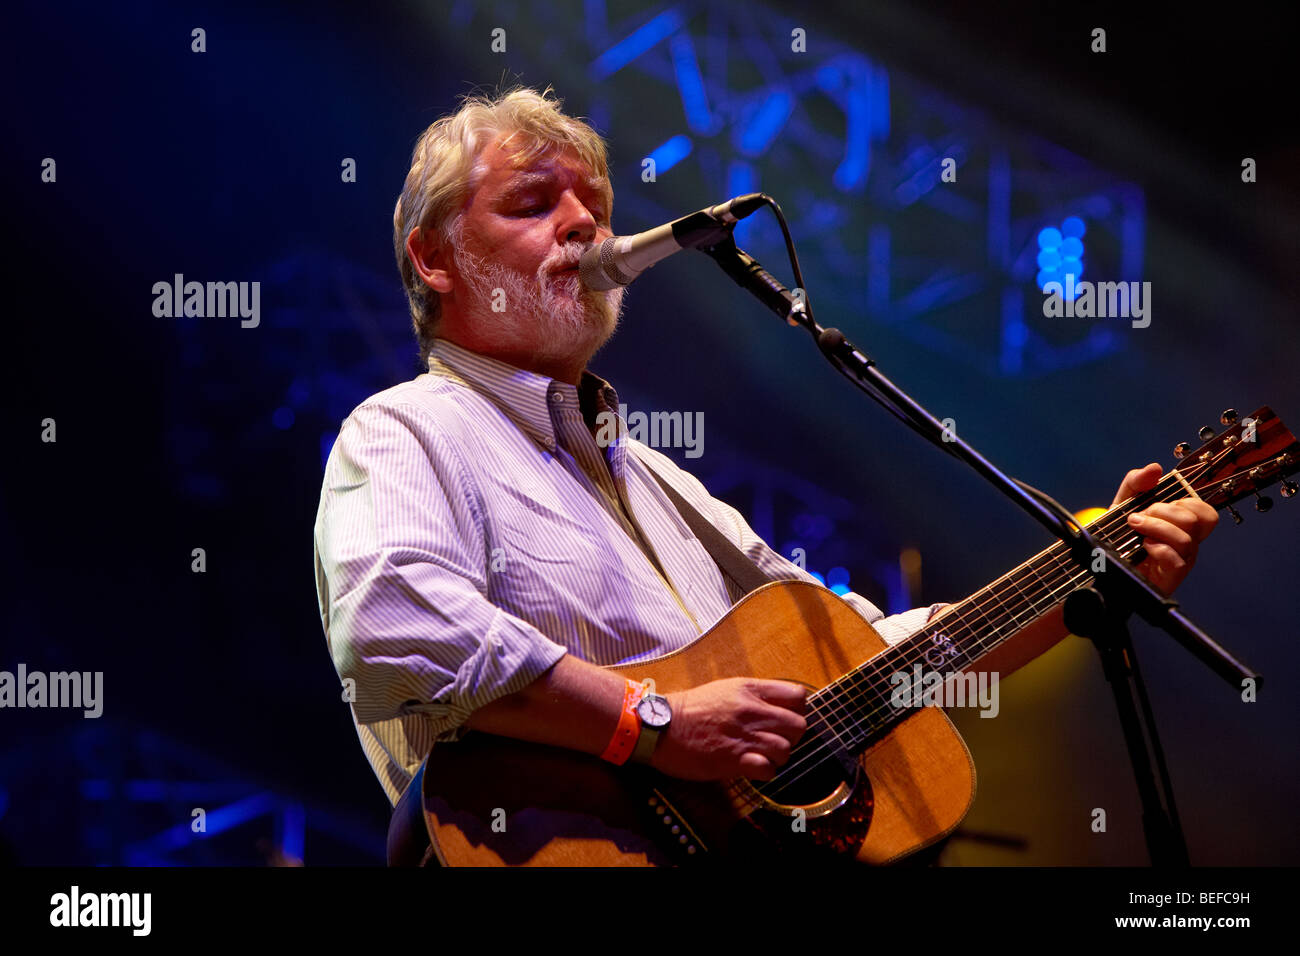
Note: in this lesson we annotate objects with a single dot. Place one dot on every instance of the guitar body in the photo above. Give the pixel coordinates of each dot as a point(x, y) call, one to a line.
point(495, 801)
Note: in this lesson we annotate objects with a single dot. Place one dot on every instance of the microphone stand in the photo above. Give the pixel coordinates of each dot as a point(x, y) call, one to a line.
point(1099, 612)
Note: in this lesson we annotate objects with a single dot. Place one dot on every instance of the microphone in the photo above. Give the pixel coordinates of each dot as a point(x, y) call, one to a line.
point(620, 259)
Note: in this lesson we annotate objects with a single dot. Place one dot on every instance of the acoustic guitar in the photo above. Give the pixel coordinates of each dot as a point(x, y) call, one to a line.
point(872, 780)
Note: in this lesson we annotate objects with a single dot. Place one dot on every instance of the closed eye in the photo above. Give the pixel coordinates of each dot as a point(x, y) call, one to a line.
point(596, 214)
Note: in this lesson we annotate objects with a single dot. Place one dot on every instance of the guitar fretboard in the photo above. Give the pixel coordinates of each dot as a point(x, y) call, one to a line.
point(859, 707)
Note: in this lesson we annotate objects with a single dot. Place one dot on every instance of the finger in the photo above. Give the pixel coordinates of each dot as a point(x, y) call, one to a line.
point(757, 767)
point(772, 746)
point(1155, 529)
point(1207, 515)
point(1188, 515)
point(1164, 567)
point(1175, 512)
point(769, 718)
point(781, 693)
point(1137, 481)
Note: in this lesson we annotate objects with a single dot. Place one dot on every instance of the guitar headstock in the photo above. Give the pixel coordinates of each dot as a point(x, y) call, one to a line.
point(1250, 455)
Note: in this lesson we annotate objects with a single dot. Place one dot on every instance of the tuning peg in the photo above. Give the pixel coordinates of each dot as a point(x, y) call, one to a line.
point(1288, 489)
point(1206, 433)
point(1263, 502)
point(1236, 515)
point(1182, 449)
point(1229, 417)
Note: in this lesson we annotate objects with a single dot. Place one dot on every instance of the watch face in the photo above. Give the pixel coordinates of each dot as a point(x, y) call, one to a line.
point(654, 711)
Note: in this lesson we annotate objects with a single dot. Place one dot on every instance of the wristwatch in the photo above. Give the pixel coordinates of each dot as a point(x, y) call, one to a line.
point(655, 715)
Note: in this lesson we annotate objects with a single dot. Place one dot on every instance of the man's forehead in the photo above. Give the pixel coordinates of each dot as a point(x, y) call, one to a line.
point(541, 175)
point(510, 167)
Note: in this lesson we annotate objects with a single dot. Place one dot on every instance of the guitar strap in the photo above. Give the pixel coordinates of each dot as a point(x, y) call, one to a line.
point(731, 561)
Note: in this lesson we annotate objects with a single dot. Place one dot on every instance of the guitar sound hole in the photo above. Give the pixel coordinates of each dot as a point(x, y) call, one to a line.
point(801, 785)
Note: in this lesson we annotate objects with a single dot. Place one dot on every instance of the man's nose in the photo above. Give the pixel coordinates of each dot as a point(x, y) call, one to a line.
point(576, 223)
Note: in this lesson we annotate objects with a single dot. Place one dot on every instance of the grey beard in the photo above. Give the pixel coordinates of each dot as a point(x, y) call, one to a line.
point(558, 317)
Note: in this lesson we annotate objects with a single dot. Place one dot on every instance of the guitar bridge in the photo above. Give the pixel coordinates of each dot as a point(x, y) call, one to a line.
point(671, 830)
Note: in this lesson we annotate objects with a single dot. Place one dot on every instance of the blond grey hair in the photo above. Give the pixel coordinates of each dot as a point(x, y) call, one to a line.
point(446, 168)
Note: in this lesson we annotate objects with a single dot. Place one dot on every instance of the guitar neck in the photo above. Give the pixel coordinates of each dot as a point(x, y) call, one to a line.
point(1251, 455)
point(969, 630)
point(975, 626)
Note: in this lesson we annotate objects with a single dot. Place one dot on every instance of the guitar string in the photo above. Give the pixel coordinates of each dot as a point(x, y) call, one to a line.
point(818, 747)
point(1052, 560)
point(918, 646)
point(878, 715)
point(875, 706)
point(1117, 517)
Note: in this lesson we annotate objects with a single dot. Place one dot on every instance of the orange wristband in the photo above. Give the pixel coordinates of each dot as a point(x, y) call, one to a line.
point(628, 730)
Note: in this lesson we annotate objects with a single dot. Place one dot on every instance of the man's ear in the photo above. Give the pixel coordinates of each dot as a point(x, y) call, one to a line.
point(429, 258)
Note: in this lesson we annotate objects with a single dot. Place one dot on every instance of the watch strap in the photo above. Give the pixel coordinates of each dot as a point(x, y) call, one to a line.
point(645, 744)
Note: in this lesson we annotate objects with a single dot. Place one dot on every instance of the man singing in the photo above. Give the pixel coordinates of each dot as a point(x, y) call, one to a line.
point(480, 555)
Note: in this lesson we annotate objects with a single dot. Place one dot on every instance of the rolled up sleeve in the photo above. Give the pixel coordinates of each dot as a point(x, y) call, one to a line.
point(894, 628)
point(402, 578)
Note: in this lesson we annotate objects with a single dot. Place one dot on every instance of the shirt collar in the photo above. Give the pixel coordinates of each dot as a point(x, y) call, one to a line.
point(528, 398)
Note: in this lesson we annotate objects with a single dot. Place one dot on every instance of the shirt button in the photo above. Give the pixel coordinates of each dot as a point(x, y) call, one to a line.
point(557, 397)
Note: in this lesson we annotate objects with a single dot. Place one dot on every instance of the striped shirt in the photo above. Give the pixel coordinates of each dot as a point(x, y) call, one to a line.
point(472, 530)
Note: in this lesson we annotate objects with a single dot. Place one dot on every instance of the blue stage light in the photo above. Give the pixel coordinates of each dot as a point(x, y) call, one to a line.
point(765, 123)
point(690, 84)
point(669, 154)
point(638, 42)
point(1015, 334)
point(1061, 255)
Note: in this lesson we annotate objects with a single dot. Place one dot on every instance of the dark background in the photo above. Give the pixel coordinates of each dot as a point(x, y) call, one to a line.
point(175, 434)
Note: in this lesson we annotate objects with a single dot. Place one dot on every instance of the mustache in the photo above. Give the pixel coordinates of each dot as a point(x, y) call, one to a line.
point(566, 257)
